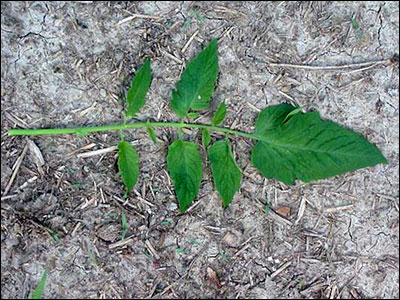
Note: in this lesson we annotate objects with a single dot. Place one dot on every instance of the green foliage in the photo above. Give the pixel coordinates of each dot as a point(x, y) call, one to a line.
point(53, 234)
point(270, 117)
point(184, 166)
point(193, 115)
point(289, 144)
point(308, 148)
point(138, 90)
point(292, 113)
point(152, 134)
point(226, 173)
point(219, 114)
point(128, 164)
point(38, 292)
point(196, 85)
point(205, 137)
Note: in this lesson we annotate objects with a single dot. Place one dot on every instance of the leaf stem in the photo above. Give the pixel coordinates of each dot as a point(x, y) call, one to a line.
point(86, 130)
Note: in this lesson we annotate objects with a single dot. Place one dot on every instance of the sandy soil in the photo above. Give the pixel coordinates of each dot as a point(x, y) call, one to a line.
point(69, 64)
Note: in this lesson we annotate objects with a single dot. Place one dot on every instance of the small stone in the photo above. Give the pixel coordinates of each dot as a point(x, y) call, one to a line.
point(231, 240)
point(103, 93)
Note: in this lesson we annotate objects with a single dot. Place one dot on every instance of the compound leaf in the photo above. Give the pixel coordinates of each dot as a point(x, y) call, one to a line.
point(136, 96)
point(306, 147)
point(196, 85)
point(128, 164)
point(219, 114)
point(226, 173)
point(184, 166)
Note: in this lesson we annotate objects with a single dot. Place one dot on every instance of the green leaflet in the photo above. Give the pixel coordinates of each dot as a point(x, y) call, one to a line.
point(308, 148)
point(136, 96)
point(196, 85)
point(193, 115)
point(184, 167)
point(128, 165)
point(37, 293)
point(226, 173)
point(219, 114)
point(152, 133)
point(205, 137)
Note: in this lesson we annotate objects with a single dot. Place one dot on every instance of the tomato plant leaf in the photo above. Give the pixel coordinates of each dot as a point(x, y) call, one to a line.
point(226, 173)
point(205, 137)
point(140, 84)
point(128, 164)
point(307, 147)
point(219, 114)
point(185, 168)
point(196, 85)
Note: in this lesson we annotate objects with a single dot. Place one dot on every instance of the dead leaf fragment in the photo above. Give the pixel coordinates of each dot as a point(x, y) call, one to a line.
point(284, 211)
point(212, 276)
point(36, 155)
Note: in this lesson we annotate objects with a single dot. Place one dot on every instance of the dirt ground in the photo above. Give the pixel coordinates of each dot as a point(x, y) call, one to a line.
point(69, 64)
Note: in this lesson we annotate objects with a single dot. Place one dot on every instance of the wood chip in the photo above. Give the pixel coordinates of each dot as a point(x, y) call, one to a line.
point(301, 211)
point(73, 233)
point(87, 147)
point(169, 55)
point(241, 250)
point(280, 269)
point(152, 250)
point(134, 16)
point(17, 121)
point(15, 169)
point(277, 217)
point(253, 107)
point(97, 152)
point(189, 41)
point(339, 208)
point(121, 243)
